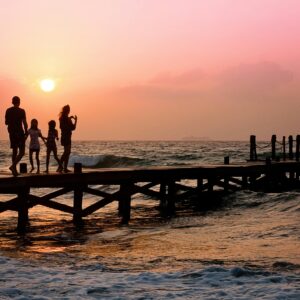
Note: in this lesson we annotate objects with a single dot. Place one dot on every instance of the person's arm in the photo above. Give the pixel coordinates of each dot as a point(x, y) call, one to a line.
point(6, 118)
point(25, 125)
point(75, 122)
point(56, 135)
point(42, 137)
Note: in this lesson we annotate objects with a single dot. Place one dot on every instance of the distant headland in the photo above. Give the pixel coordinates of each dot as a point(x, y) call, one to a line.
point(196, 138)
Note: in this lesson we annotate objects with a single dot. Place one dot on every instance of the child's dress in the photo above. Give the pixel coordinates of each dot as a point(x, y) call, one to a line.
point(52, 136)
point(34, 139)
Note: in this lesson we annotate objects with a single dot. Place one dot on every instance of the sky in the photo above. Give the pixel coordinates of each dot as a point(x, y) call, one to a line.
point(154, 69)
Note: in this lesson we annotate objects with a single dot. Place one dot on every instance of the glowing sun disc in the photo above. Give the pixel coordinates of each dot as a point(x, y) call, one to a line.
point(47, 85)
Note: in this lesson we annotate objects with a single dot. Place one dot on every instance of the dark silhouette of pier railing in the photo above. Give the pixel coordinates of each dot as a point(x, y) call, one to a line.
point(278, 150)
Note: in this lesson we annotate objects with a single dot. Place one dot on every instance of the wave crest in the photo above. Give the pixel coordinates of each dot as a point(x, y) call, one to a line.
point(105, 161)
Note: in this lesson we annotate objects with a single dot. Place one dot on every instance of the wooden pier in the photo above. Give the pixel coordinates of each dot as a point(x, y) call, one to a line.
point(167, 184)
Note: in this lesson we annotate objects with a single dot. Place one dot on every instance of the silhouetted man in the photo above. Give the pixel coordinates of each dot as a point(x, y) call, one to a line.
point(15, 119)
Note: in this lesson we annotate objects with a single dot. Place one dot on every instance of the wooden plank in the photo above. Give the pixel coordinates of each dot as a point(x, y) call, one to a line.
point(103, 202)
point(9, 205)
point(35, 200)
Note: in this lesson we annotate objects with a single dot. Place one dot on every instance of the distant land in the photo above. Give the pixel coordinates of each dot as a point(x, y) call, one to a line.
point(196, 138)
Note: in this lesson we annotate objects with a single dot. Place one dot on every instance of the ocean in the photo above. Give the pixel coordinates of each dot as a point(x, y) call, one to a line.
point(246, 248)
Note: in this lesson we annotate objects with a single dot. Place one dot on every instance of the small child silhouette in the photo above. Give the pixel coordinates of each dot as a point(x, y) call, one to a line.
point(51, 145)
point(34, 147)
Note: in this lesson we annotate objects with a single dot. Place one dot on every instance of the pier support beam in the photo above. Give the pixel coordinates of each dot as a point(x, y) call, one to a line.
point(77, 205)
point(78, 195)
point(23, 209)
point(167, 198)
point(125, 202)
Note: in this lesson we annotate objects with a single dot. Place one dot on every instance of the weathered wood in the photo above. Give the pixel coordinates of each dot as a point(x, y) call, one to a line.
point(77, 168)
point(35, 200)
point(226, 160)
point(9, 205)
point(23, 208)
point(253, 154)
point(283, 148)
point(103, 202)
point(23, 168)
point(273, 145)
point(77, 205)
point(125, 202)
point(297, 147)
point(291, 154)
point(270, 175)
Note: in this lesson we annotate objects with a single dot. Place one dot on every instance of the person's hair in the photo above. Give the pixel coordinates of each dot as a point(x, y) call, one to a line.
point(34, 124)
point(64, 111)
point(16, 100)
point(52, 124)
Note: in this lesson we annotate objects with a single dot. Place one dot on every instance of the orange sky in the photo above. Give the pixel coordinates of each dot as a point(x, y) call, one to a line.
point(134, 69)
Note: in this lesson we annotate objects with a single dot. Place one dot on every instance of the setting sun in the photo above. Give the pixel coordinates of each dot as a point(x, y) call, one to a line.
point(47, 85)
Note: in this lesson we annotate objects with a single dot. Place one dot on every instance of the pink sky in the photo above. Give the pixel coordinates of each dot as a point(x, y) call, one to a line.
point(134, 69)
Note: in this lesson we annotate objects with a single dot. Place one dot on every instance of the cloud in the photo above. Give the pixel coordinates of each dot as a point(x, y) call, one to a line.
point(249, 79)
point(240, 82)
point(190, 77)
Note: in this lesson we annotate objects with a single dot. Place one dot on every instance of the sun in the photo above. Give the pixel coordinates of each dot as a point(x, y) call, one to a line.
point(47, 85)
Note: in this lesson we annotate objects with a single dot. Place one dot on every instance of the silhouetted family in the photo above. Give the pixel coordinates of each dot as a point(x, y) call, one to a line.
point(15, 119)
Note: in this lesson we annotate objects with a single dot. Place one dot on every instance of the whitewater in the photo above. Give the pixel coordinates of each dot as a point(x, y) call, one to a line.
point(245, 248)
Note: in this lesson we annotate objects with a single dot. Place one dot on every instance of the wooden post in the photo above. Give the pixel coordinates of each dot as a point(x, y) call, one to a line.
point(162, 198)
point(125, 202)
point(291, 155)
point(77, 168)
point(23, 168)
point(297, 147)
point(253, 154)
point(244, 182)
point(23, 209)
point(78, 195)
point(226, 183)
point(167, 198)
point(199, 185)
point(226, 160)
point(171, 198)
point(273, 143)
point(210, 186)
point(283, 148)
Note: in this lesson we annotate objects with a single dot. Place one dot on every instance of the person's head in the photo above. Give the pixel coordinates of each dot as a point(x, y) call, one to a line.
point(52, 124)
point(16, 101)
point(65, 111)
point(34, 123)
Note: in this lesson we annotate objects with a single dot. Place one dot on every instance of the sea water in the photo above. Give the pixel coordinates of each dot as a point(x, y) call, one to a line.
point(246, 248)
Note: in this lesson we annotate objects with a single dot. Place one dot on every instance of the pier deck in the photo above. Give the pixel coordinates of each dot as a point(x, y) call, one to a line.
point(167, 184)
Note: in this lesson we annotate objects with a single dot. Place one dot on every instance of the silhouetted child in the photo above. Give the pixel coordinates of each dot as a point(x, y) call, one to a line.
point(34, 146)
point(51, 145)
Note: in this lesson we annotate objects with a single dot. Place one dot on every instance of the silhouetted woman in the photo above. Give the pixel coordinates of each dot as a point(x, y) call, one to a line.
point(67, 126)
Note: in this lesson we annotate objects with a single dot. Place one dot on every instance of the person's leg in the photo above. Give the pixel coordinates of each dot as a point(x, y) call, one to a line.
point(37, 156)
point(47, 159)
point(31, 159)
point(58, 160)
point(14, 154)
point(21, 152)
point(13, 167)
point(67, 153)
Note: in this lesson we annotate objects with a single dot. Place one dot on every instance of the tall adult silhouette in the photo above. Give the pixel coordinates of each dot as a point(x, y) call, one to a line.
point(15, 119)
point(67, 125)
